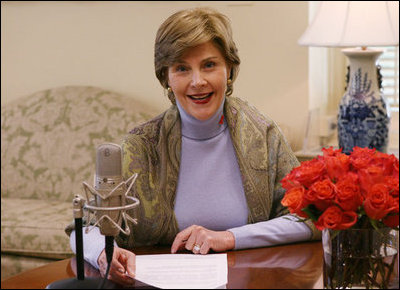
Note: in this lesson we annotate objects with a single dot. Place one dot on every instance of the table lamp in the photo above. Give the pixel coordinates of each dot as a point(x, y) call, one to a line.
point(363, 118)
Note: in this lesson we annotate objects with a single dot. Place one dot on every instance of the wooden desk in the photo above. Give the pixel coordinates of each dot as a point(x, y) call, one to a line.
point(288, 266)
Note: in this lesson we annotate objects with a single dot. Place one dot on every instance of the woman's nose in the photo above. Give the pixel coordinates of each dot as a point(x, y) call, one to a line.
point(198, 79)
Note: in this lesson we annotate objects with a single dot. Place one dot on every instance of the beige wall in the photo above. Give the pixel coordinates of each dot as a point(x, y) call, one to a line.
point(110, 45)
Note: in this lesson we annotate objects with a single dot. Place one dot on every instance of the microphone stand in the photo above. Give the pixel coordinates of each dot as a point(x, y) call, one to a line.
point(80, 282)
point(78, 204)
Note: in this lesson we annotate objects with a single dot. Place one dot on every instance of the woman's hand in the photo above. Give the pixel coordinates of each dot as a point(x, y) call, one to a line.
point(200, 240)
point(123, 262)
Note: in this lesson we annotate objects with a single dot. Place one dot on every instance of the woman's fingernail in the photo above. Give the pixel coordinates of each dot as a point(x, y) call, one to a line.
point(121, 270)
point(130, 274)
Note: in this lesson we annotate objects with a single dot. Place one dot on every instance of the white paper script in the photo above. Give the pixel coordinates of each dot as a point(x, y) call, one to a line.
point(183, 271)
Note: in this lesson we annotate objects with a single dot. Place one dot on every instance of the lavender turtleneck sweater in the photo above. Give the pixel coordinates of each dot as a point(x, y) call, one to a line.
point(210, 192)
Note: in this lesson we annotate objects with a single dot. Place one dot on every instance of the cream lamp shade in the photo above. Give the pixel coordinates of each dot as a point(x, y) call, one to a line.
point(354, 23)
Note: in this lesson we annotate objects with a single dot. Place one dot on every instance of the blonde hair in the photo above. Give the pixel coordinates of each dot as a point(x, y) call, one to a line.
point(188, 28)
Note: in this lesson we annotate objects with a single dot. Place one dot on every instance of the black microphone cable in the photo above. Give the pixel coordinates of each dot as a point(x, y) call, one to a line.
point(109, 255)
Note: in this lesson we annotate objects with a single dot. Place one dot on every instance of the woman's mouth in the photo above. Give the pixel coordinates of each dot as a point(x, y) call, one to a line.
point(201, 98)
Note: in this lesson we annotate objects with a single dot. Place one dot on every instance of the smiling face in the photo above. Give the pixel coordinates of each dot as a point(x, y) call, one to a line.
point(199, 80)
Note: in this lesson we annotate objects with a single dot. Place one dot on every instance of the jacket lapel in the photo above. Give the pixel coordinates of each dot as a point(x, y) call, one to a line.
point(249, 140)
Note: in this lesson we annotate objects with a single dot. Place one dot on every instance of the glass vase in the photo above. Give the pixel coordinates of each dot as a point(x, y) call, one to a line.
point(361, 259)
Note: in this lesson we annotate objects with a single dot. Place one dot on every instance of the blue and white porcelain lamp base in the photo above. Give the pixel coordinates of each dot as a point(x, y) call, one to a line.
point(363, 118)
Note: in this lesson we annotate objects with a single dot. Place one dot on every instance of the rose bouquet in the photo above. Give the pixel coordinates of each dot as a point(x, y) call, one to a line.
point(346, 194)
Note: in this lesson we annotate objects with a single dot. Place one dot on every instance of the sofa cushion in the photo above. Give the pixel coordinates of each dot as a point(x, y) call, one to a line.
point(14, 264)
point(35, 227)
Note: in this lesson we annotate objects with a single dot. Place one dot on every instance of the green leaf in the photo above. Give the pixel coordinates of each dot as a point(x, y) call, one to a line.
point(312, 212)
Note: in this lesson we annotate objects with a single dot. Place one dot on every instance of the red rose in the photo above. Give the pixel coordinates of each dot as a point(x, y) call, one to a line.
point(361, 157)
point(309, 172)
point(377, 203)
point(337, 165)
point(288, 181)
point(294, 201)
point(331, 152)
point(370, 176)
point(395, 166)
point(393, 204)
point(321, 194)
point(393, 184)
point(336, 219)
point(392, 218)
point(384, 161)
point(348, 194)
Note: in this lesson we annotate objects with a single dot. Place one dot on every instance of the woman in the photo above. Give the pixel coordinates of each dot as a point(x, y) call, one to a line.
point(210, 166)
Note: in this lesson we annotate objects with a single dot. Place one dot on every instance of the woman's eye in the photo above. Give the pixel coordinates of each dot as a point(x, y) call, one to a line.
point(210, 64)
point(180, 68)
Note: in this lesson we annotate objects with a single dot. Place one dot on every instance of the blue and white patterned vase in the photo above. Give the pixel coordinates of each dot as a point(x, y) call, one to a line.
point(363, 118)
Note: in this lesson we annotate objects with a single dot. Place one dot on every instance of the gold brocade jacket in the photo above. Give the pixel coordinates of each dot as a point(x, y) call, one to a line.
point(153, 151)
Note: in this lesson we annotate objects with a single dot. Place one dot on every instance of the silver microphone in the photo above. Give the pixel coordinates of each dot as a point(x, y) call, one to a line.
point(108, 175)
point(111, 200)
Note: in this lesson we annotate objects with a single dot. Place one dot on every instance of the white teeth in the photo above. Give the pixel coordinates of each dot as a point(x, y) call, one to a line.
point(198, 97)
